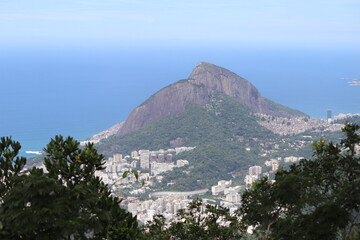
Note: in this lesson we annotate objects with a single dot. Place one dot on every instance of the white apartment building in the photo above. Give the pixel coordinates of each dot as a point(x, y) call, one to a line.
point(220, 187)
point(255, 170)
point(144, 159)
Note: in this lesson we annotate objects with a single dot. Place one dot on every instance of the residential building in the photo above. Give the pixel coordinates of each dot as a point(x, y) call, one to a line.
point(255, 170)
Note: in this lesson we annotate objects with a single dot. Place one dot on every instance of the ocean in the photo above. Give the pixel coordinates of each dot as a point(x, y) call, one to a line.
point(80, 92)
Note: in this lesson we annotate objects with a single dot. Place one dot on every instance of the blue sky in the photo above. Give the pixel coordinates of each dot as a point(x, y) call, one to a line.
point(313, 23)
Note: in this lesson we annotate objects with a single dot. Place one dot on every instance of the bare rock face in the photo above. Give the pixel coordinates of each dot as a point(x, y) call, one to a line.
point(205, 80)
point(219, 80)
point(170, 100)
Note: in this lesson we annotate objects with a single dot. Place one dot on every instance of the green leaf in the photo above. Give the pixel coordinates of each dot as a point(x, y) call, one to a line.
point(136, 174)
point(125, 174)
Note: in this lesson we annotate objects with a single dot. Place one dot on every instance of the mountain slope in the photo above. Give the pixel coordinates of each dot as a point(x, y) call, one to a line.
point(221, 119)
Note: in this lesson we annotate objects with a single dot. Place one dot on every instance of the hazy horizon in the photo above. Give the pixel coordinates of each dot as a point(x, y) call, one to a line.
point(331, 24)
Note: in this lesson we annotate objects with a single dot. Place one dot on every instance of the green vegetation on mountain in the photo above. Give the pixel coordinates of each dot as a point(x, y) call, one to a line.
point(220, 130)
point(208, 164)
point(221, 119)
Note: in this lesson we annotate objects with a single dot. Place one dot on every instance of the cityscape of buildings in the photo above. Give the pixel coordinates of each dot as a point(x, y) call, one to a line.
point(140, 200)
point(295, 125)
point(150, 166)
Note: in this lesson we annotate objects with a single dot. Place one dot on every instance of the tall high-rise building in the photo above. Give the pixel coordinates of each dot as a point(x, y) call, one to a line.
point(144, 159)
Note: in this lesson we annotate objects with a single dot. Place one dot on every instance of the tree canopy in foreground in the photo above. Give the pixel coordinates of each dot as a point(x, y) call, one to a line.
point(66, 202)
point(314, 199)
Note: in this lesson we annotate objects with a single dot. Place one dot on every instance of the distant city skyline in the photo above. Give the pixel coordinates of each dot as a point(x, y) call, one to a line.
point(208, 23)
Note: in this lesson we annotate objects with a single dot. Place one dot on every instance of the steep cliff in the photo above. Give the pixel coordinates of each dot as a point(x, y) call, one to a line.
point(205, 80)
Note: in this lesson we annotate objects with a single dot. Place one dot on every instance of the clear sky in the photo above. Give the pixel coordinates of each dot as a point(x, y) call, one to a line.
point(314, 23)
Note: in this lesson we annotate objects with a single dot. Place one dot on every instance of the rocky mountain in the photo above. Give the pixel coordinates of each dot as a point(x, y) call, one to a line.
point(204, 81)
point(220, 114)
point(215, 111)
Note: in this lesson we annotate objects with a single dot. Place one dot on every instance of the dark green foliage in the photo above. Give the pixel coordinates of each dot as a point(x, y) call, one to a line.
point(209, 163)
point(68, 202)
point(197, 221)
point(35, 208)
point(10, 164)
point(259, 208)
point(69, 164)
point(156, 229)
point(315, 199)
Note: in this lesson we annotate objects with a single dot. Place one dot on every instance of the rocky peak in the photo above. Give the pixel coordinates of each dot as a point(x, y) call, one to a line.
point(205, 80)
point(220, 80)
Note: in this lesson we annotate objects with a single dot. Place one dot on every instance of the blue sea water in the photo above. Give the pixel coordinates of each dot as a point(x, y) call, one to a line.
point(80, 92)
